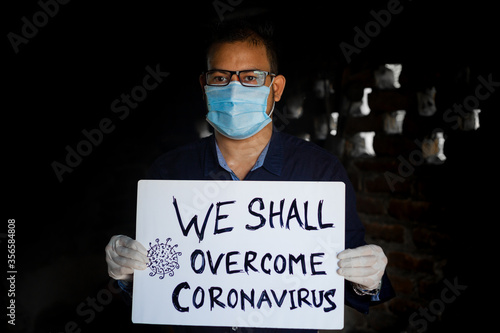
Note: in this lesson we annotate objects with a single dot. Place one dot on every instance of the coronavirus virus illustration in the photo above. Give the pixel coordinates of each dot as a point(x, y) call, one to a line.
point(163, 258)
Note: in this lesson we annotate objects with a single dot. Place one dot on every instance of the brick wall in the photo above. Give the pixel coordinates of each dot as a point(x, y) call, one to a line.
point(406, 178)
point(404, 194)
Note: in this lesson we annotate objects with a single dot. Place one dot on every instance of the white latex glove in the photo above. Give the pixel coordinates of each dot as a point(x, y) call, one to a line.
point(123, 255)
point(363, 265)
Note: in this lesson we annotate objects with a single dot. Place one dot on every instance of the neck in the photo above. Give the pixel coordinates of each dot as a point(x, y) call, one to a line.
point(241, 155)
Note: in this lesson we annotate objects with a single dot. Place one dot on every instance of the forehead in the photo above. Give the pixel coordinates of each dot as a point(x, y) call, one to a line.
point(236, 56)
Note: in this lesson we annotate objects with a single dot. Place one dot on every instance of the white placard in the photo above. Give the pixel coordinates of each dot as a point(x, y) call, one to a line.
point(240, 254)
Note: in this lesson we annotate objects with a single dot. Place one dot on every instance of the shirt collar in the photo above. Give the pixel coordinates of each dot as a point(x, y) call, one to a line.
point(271, 157)
point(274, 157)
point(223, 163)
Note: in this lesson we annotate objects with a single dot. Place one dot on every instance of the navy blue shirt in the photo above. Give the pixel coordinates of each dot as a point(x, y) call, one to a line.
point(286, 158)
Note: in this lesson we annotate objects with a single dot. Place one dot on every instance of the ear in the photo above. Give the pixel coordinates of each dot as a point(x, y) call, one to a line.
point(202, 84)
point(278, 87)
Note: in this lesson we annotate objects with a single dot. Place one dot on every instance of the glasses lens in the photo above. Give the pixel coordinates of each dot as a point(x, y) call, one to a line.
point(218, 78)
point(250, 78)
point(253, 78)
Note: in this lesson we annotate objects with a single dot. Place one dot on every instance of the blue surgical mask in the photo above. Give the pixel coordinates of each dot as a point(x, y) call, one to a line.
point(237, 112)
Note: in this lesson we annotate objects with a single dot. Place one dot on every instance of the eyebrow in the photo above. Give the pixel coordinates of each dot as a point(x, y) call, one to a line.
point(227, 70)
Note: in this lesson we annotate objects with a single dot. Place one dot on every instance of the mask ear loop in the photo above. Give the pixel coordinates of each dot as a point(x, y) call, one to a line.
point(274, 102)
point(272, 110)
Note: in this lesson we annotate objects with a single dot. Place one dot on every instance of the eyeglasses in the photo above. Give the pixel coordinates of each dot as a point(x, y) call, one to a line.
point(248, 78)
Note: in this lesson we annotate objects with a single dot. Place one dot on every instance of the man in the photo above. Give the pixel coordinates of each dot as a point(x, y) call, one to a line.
point(240, 88)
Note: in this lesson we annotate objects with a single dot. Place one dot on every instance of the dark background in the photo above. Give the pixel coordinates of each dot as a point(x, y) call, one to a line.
point(66, 77)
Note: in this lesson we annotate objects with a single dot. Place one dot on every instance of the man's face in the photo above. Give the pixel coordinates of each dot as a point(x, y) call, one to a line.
point(240, 56)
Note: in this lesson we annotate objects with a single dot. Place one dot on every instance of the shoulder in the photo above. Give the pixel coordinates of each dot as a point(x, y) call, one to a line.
point(180, 162)
point(302, 149)
point(294, 144)
point(307, 156)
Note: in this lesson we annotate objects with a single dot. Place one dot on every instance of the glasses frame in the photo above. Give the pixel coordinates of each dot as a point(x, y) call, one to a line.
point(237, 74)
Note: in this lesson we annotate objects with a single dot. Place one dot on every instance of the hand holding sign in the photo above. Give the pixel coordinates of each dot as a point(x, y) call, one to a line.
point(123, 255)
point(364, 265)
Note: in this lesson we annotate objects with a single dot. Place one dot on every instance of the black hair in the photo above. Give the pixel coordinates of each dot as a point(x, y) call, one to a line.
point(257, 33)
